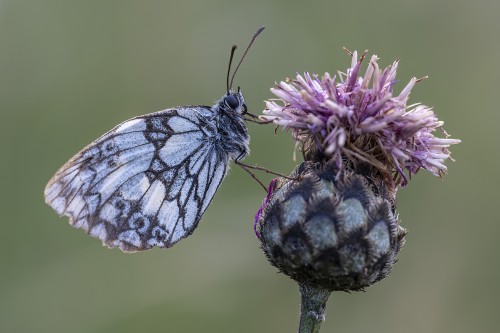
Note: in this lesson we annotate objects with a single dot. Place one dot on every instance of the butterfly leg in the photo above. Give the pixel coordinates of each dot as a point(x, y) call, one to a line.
point(258, 121)
point(244, 167)
point(257, 167)
point(253, 118)
point(250, 114)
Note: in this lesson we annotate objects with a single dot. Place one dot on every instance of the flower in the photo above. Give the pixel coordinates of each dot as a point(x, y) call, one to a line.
point(270, 191)
point(359, 118)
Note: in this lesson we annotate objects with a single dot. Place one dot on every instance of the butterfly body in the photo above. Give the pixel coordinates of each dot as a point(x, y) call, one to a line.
point(148, 181)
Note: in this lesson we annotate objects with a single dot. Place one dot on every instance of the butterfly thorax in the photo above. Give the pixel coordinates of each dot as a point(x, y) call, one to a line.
point(231, 128)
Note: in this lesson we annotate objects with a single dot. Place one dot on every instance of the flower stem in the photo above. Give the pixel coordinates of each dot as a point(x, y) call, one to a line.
point(312, 309)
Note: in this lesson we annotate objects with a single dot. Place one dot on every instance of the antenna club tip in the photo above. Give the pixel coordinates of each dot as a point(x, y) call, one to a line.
point(259, 30)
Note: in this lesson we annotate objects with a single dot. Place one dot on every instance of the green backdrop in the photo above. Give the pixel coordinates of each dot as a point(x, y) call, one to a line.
point(71, 70)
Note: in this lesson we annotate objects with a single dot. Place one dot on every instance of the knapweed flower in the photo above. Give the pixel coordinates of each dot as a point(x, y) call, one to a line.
point(332, 225)
point(360, 118)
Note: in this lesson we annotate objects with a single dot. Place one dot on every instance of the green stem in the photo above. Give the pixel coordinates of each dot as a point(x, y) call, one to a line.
point(312, 309)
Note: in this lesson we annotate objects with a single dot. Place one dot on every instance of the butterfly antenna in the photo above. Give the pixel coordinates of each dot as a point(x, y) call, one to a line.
point(244, 54)
point(229, 67)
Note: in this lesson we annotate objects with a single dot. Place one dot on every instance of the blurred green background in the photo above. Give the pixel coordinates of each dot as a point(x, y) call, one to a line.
point(71, 70)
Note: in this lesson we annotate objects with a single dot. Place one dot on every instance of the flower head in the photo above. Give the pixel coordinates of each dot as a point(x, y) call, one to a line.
point(359, 118)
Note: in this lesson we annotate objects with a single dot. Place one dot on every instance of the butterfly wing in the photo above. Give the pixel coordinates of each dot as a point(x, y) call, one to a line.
point(145, 183)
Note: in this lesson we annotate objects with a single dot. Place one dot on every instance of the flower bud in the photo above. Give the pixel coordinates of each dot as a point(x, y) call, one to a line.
point(335, 230)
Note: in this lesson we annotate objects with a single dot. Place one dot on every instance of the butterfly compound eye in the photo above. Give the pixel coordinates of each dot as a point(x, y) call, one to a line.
point(232, 101)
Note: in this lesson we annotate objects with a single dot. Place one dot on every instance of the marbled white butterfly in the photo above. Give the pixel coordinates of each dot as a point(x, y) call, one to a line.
point(148, 181)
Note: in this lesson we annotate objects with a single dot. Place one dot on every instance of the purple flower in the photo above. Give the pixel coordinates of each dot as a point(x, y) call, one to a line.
point(264, 204)
point(359, 118)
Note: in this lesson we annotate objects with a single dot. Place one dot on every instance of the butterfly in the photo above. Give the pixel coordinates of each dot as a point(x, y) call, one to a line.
point(147, 182)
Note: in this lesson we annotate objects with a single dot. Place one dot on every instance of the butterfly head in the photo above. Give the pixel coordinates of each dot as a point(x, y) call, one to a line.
point(233, 102)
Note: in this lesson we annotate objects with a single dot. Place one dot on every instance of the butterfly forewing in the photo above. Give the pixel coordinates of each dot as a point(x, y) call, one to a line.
point(146, 182)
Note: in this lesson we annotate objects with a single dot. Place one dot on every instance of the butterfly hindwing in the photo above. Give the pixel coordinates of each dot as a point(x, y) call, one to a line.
point(146, 182)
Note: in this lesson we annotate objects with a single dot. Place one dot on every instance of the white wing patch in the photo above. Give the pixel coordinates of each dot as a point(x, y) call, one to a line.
point(181, 147)
point(154, 198)
point(145, 183)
